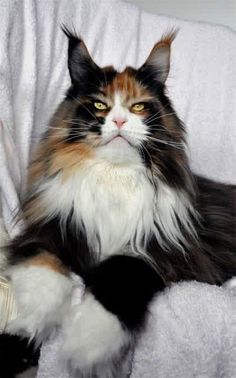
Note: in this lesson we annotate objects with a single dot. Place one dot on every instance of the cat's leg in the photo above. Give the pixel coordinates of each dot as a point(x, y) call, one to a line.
point(99, 332)
point(41, 288)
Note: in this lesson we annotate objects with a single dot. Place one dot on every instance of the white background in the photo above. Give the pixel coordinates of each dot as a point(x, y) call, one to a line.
point(214, 11)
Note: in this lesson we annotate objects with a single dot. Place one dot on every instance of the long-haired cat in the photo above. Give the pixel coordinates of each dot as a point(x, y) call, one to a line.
point(112, 199)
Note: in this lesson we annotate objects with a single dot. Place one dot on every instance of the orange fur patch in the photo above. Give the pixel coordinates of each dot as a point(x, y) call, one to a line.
point(68, 157)
point(58, 129)
point(47, 260)
point(167, 38)
point(126, 84)
point(53, 154)
point(33, 211)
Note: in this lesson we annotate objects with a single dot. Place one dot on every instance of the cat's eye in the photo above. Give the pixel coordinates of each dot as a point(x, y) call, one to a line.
point(100, 105)
point(138, 107)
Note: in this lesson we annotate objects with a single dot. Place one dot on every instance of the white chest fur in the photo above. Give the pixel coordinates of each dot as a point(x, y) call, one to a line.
point(114, 204)
point(117, 207)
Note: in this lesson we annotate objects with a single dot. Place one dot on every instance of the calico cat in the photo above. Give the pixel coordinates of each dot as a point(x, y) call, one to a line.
point(112, 199)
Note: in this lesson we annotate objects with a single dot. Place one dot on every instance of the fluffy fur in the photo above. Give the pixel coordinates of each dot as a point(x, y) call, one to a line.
point(87, 348)
point(42, 299)
point(111, 198)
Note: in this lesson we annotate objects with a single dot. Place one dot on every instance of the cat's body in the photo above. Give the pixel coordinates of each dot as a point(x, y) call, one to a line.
point(111, 198)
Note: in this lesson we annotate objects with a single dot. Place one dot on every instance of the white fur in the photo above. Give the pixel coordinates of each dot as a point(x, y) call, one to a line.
point(42, 296)
point(92, 336)
point(170, 204)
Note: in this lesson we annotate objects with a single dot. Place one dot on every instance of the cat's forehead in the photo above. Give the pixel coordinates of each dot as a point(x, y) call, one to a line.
point(127, 85)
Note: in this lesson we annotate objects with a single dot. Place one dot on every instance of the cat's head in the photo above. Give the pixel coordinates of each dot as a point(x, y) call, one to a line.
point(121, 116)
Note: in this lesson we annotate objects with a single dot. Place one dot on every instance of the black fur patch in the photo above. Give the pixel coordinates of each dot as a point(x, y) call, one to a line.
point(124, 285)
point(216, 203)
point(67, 243)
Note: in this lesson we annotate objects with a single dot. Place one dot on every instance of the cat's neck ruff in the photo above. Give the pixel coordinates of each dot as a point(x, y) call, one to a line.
point(116, 205)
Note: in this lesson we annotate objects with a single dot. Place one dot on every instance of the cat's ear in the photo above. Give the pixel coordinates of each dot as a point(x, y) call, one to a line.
point(158, 61)
point(80, 63)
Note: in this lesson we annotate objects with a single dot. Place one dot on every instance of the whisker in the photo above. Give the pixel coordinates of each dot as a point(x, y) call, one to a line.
point(171, 144)
point(157, 128)
point(159, 112)
point(156, 118)
point(153, 115)
point(155, 148)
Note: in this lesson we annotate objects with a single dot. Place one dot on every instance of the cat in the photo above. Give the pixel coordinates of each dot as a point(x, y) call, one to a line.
point(111, 198)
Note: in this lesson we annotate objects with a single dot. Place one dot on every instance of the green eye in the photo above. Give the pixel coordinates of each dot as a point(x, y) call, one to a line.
point(137, 107)
point(99, 105)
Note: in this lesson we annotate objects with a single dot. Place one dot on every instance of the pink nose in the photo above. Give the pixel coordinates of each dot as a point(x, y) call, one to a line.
point(119, 121)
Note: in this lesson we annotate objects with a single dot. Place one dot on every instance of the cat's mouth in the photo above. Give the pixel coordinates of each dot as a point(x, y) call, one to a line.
point(118, 139)
point(121, 139)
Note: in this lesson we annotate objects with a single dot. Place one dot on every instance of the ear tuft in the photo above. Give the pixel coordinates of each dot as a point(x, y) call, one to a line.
point(79, 59)
point(159, 58)
point(168, 37)
point(71, 34)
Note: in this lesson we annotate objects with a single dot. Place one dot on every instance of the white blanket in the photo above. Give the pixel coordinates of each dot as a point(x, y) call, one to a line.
point(202, 82)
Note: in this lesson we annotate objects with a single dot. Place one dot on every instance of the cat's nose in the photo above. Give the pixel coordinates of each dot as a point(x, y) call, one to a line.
point(119, 121)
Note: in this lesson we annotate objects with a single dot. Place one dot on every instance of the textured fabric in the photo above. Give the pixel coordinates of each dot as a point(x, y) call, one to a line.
point(191, 334)
point(8, 309)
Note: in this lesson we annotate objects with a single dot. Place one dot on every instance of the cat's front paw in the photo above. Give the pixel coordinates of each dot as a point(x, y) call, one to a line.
point(41, 298)
point(95, 341)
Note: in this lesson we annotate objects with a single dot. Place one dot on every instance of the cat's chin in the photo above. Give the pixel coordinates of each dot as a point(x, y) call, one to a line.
point(119, 151)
